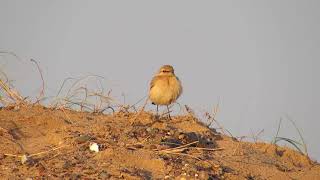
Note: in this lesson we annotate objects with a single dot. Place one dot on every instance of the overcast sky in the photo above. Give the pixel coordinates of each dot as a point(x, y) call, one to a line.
point(260, 58)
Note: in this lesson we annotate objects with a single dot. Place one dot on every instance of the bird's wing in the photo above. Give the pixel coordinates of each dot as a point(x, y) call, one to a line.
point(181, 88)
point(156, 79)
point(153, 81)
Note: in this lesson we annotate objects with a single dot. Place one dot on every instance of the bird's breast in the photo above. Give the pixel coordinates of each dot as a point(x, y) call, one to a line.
point(165, 91)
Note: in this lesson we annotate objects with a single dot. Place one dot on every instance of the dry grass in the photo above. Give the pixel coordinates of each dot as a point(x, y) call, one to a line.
point(41, 93)
point(82, 97)
point(8, 95)
point(296, 144)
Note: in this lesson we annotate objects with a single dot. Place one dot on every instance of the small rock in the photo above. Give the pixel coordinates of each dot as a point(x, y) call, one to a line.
point(155, 131)
point(171, 132)
point(24, 159)
point(181, 136)
point(203, 175)
point(191, 137)
point(16, 108)
point(104, 175)
point(83, 139)
point(149, 129)
point(67, 165)
point(94, 147)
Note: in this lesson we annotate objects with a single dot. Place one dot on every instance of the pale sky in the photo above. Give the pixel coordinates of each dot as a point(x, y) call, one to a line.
point(260, 58)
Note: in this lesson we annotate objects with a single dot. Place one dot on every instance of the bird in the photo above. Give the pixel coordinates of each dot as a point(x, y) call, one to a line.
point(165, 88)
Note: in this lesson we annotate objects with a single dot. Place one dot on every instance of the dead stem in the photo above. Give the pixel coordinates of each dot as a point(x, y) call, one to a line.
point(37, 154)
point(41, 94)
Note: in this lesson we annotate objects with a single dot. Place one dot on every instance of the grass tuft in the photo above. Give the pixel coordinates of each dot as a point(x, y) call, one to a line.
point(296, 144)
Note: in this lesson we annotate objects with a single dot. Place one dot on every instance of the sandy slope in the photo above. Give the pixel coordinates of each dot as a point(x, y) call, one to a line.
point(149, 149)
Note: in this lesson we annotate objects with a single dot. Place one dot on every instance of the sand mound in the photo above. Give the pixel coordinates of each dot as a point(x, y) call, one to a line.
point(56, 144)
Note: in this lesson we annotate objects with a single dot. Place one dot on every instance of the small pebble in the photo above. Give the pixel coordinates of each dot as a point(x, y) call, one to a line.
point(24, 159)
point(83, 139)
point(203, 175)
point(94, 147)
point(181, 136)
point(104, 175)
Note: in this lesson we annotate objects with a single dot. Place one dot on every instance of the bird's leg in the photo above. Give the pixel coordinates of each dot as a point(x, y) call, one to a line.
point(157, 109)
point(168, 112)
point(157, 115)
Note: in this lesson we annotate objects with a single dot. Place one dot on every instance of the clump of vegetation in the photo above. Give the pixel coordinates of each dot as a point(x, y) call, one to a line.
point(9, 96)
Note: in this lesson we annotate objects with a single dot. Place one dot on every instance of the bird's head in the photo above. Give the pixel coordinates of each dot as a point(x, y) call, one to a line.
point(166, 70)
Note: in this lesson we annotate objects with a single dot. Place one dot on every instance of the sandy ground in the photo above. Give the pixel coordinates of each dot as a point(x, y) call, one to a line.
point(43, 143)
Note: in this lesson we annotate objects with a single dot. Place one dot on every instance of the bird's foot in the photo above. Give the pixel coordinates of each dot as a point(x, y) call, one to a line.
point(156, 117)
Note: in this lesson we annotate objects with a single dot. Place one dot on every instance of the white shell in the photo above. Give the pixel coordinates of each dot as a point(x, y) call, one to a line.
point(94, 147)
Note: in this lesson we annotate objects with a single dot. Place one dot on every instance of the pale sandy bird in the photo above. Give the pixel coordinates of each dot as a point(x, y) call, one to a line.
point(165, 87)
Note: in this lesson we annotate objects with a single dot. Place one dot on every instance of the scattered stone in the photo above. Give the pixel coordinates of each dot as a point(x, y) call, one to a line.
point(203, 175)
point(181, 136)
point(25, 159)
point(191, 137)
point(83, 139)
point(149, 129)
point(16, 108)
point(67, 165)
point(94, 147)
point(104, 175)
